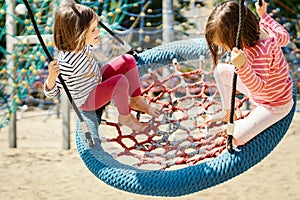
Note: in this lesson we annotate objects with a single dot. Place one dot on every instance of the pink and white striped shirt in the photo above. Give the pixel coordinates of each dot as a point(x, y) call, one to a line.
point(266, 72)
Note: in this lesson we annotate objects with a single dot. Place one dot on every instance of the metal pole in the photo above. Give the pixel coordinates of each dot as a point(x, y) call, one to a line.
point(66, 107)
point(10, 31)
point(195, 13)
point(168, 21)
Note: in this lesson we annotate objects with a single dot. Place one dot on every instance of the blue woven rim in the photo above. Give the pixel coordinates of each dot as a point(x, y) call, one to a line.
point(182, 181)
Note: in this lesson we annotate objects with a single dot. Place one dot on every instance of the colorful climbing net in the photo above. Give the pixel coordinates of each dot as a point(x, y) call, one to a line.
point(23, 62)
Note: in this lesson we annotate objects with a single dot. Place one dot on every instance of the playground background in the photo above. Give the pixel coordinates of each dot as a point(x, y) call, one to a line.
point(39, 169)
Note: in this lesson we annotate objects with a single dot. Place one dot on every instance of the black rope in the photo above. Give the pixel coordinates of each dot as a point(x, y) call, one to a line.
point(128, 48)
point(112, 33)
point(84, 126)
point(232, 106)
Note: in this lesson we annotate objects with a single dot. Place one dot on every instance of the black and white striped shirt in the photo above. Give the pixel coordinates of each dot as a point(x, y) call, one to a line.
point(80, 72)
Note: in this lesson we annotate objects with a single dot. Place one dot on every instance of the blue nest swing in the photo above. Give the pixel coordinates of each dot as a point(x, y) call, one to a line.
point(182, 181)
point(175, 182)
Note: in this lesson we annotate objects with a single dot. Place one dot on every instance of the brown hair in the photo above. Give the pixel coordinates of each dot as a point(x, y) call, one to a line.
point(71, 23)
point(223, 24)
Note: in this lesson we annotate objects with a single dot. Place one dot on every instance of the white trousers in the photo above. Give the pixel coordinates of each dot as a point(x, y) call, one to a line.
point(260, 118)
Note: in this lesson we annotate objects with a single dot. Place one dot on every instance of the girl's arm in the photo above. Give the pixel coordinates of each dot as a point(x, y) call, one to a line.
point(54, 71)
point(269, 23)
point(280, 33)
point(53, 92)
point(261, 60)
point(50, 86)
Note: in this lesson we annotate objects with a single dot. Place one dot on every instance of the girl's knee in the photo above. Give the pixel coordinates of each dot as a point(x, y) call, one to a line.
point(122, 81)
point(244, 131)
point(121, 87)
point(239, 141)
point(223, 68)
point(224, 73)
point(129, 60)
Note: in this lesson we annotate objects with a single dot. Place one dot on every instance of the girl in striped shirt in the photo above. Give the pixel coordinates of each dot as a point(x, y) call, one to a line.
point(263, 72)
point(75, 33)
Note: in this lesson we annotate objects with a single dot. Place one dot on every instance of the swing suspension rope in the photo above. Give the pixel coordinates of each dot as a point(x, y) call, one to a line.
point(230, 128)
point(83, 123)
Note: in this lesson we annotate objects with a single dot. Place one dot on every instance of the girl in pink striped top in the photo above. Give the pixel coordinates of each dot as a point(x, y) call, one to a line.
point(263, 72)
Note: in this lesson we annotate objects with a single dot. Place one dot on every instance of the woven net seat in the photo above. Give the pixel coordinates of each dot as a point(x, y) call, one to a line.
point(199, 172)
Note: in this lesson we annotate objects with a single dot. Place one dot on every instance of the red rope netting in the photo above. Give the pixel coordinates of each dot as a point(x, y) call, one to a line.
point(186, 95)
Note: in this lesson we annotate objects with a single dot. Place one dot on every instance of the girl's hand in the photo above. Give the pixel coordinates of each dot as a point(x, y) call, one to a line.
point(261, 10)
point(54, 71)
point(238, 58)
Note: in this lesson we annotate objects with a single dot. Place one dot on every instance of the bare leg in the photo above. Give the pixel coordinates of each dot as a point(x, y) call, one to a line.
point(223, 75)
point(223, 115)
point(138, 103)
point(131, 122)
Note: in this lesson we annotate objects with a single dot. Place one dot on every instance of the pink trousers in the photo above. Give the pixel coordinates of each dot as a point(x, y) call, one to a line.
point(259, 119)
point(120, 80)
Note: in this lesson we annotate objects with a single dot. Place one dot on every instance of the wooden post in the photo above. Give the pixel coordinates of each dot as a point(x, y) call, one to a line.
point(66, 107)
point(10, 31)
point(168, 21)
point(195, 13)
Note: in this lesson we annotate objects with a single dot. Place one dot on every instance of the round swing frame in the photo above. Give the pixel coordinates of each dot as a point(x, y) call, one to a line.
point(183, 181)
